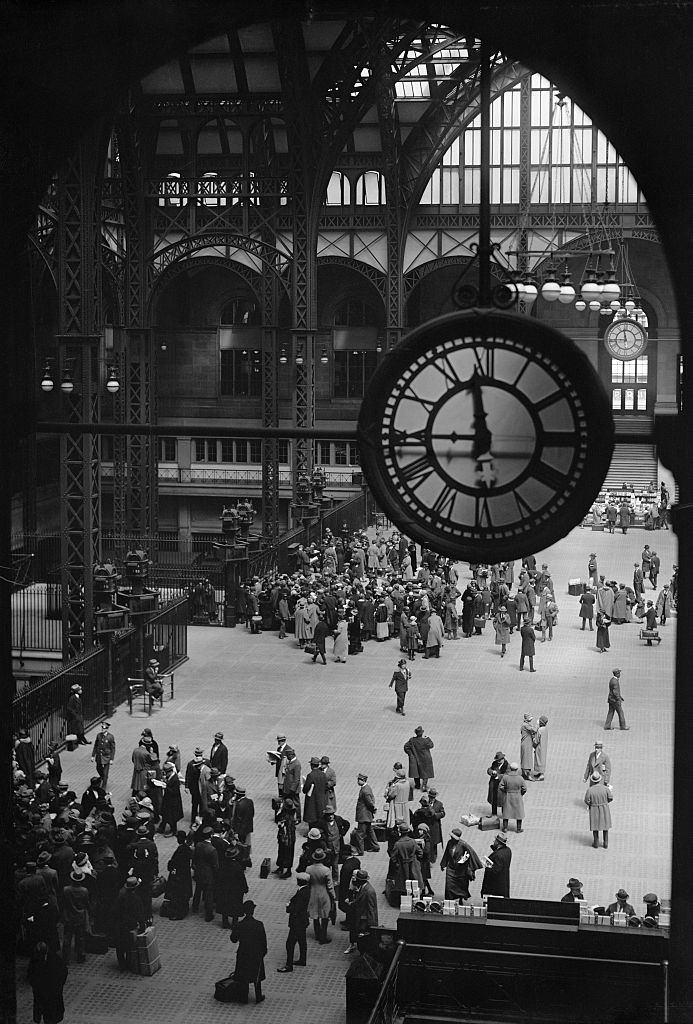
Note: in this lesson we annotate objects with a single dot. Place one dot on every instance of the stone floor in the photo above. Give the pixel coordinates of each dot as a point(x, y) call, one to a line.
point(471, 703)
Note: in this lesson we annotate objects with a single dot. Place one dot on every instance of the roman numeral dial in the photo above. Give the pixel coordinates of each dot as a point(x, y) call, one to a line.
point(475, 434)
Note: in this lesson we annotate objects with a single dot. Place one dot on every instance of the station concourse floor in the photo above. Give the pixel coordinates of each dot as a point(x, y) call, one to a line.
point(471, 703)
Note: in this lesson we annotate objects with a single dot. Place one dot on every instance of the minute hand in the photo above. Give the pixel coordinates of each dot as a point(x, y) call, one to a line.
point(482, 435)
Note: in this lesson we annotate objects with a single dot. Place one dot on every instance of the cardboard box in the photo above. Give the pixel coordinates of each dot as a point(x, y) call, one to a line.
point(620, 920)
point(406, 904)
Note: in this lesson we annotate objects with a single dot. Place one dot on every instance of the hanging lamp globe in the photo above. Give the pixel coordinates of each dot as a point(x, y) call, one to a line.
point(595, 305)
point(611, 291)
point(550, 290)
point(590, 290)
point(529, 294)
point(629, 305)
point(580, 305)
point(566, 293)
point(47, 381)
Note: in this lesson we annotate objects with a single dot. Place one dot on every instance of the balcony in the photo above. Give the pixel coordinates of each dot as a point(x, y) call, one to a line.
point(204, 478)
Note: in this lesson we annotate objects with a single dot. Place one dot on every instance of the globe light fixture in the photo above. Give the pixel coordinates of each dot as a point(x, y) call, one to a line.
point(595, 305)
point(67, 385)
point(323, 355)
point(47, 383)
point(580, 305)
point(282, 356)
point(112, 384)
point(550, 289)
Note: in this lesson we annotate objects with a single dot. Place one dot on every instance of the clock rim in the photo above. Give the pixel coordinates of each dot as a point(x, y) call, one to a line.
point(572, 362)
point(613, 327)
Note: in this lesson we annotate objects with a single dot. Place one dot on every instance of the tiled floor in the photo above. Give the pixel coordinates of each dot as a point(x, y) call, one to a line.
point(471, 703)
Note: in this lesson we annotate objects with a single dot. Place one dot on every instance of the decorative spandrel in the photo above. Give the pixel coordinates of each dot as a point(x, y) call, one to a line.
point(485, 434)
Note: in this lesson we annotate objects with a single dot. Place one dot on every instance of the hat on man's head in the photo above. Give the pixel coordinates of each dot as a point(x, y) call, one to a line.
point(314, 833)
point(423, 827)
point(131, 882)
point(527, 717)
point(360, 875)
point(153, 661)
point(142, 830)
point(419, 729)
point(598, 743)
point(324, 759)
point(649, 897)
point(218, 735)
point(574, 883)
point(240, 790)
point(281, 739)
point(75, 687)
point(498, 753)
point(329, 809)
point(397, 764)
point(290, 752)
point(432, 791)
point(146, 802)
point(423, 799)
point(501, 837)
point(622, 894)
point(302, 877)
point(456, 832)
point(207, 831)
point(44, 856)
point(314, 762)
point(596, 777)
point(362, 777)
point(105, 725)
point(198, 752)
point(513, 766)
point(95, 780)
point(77, 876)
point(319, 854)
point(400, 773)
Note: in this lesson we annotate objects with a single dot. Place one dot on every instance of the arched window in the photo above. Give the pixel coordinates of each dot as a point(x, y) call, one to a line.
point(338, 190)
point(370, 189)
point(173, 190)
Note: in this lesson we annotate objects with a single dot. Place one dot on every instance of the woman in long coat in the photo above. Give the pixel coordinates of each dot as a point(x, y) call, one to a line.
point(406, 568)
point(528, 731)
point(620, 606)
point(302, 622)
point(341, 640)
point(501, 624)
point(142, 762)
point(322, 895)
point(541, 742)
point(603, 623)
point(285, 819)
point(171, 804)
point(460, 862)
point(598, 797)
point(511, 790)
point(231, 887)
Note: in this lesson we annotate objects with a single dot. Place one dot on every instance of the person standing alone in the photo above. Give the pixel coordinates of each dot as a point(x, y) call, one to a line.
point(418, 748)
point(615, 701)
point(400, 681)
point(103, 752)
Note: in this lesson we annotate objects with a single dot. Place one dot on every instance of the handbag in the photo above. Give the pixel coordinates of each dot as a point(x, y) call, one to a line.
point(479, 621)
point(310, 648)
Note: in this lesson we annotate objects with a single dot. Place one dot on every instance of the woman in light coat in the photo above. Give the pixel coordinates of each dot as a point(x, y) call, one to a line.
point(434, 636)
point(397, 796)
point(322, 895)
point(598, 797)
point(501, 624)
point(527, 733)
point(302, 622)
point(341, 640)
point(541, 742)
point(406, 569)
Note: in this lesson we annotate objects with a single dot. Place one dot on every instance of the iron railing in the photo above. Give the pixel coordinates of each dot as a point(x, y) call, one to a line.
point(250, 477)
point(386, 1009)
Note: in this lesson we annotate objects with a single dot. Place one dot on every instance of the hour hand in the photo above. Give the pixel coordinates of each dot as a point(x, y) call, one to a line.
point(482, 435)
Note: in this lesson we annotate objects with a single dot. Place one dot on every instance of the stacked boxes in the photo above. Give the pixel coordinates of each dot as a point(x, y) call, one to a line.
point(450, 907)
point(405, 904)
point(620, 920)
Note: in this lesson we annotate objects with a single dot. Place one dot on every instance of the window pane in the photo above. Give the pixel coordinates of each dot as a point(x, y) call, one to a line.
point(283, 451)
point(642, 399)
point(616, 371)
point(241, 450)
point(340, 453)
point(324, 453)
point(354, 455)
point(212, 450)
point(200, 449)
point(616, 399)
point(641, 370)
point(629, 372)
point(255, 451)
point(628, 399)
point(226, 450)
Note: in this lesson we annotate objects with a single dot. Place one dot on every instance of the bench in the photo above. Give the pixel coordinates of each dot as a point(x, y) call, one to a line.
point(136, 689)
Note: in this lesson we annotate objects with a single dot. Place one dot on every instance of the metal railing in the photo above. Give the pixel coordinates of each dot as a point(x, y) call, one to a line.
point(245, 477)
point(386, 1009)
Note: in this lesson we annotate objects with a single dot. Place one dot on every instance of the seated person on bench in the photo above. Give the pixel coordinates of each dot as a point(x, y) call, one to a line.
point(152, 680)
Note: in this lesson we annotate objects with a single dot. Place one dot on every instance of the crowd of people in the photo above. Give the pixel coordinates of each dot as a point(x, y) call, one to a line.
point(86, 876)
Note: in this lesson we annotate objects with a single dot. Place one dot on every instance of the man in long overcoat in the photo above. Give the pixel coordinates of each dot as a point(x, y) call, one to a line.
point(598, 797)
point(250, 958)
point(437, 815)
point(365, 813)
point(315, 792)
point(103, 752)
point(362, 908)
point(404, 862)
point(528, 644)
point(541, 744)
point(418, 749)
point(206, 866)
point(291, 786)
point(528, 731)
point(495, 771)
point(497, 874)
point(74, 714)
point(511, 790)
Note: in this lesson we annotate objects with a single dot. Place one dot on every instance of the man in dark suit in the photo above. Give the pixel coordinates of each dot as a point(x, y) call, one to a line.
point(320, 634)
point(250, 959)
point(315, 791)
point(242, 816)
point(277, 758)
point(365, 813)
point(362, 912)
point(206, 867)
point(291, 787)
point(497, 874)
point(74, 715)
point(219, 754)
point(103, 752)
point(297, 909)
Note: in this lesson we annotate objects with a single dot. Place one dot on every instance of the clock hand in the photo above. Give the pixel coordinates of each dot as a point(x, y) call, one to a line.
point(482, 435)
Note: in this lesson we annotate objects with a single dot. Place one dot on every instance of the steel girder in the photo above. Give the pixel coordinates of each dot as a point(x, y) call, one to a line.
point(270, 408)
point(79, 313)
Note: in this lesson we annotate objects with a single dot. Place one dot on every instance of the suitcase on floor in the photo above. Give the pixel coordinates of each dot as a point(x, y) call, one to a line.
point(226, 990)
point(265, 868)
point(95, 943)
point(488, 821)
point(147, 952)
point(650, 634)
point(392, 896)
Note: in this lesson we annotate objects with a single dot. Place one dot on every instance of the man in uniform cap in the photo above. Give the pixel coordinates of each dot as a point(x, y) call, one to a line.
point(219, 754)
point(103, 752)
point(621, 906)
point(297, 909)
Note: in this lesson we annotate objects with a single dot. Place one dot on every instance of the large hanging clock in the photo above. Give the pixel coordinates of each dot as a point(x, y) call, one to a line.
point(485, 435)
point(625, 339)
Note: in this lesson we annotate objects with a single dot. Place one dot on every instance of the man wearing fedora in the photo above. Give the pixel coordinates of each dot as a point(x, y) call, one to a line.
point(361, 908)
point(152, 681)
point(193, 770)
point(250, 959)
point(206, 868)
point(598, 797)
point(575, 893)
point(103, 752)
point(297, 909)
point(511, 791)
point(365, 813)
point(74, 715)
point(621, 906)
point(129, 918)
point(219, 754)
point(600, 762)
point(496, 881)
point(418, 748)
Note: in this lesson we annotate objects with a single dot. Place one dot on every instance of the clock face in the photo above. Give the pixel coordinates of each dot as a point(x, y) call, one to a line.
point(485, 435)
point(625, 339)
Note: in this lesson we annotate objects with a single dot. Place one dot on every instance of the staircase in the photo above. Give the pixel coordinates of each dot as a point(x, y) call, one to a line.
point(634, 464)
